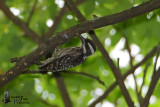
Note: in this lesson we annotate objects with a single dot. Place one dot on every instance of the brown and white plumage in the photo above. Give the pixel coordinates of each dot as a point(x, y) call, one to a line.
point(69, 57)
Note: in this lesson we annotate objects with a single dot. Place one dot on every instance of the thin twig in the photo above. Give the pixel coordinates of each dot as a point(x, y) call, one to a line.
point(136, 85)
point(102, 97)
point(156, 59)
point(144, 76)
point(131, 63)
point(118, 63)
point(85, 74)
point(129, 51)
point(126, 43)
point(31, 13)
point(143, 82)
point(67, 72)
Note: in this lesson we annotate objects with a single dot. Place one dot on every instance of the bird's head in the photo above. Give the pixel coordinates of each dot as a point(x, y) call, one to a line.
point(88, 47)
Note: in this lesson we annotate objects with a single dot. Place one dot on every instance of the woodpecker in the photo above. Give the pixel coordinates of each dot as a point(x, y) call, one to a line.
point(69, 57)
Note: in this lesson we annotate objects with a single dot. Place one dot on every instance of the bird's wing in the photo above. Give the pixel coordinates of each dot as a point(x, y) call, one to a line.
point(64, 62)
point(74, 51)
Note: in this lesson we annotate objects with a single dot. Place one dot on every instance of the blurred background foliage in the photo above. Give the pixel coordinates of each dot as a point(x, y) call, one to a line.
point(142, 33)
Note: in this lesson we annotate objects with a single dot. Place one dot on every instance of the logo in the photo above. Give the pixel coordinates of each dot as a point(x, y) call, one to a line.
point(15, 99)
point(6, 97)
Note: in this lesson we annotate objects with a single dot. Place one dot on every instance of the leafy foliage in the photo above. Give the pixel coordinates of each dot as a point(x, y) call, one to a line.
point(142, 31)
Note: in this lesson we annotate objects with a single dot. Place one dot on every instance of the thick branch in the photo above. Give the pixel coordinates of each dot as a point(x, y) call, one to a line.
point(147, 57)
point(33, 35)
point(66, 35)
point(115, 71)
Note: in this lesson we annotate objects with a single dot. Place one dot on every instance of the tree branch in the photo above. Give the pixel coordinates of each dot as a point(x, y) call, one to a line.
point(67, 72)
point(127, 44)
point(151, 88)
point(156, 59)
point(131, 64)
point(85, 74)
point(47, 103)
point(131, 58)
point(33, 35)
point(31, 13)
point(66, 35)
point(115, 71)
point(118, 59)
point(143, 82)
point(102, 97)
point(144, 76)
point(62, 89)
point(147, 57)
point(154, 81)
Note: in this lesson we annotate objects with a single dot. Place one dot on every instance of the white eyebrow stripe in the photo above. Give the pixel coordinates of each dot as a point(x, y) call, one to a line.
point(91, 48)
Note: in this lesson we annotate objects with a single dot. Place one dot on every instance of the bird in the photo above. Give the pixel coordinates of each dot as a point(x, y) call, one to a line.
point(70, 57)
